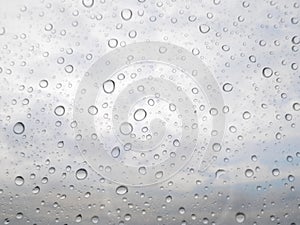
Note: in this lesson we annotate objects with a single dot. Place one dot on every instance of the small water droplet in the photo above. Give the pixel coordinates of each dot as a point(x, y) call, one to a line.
point(140, 114)
point(121, 190)
point(112, 43)
point(36, 190)
point(88, 3)
point(95, 219)
point(59, 110)
point(249, 173)
point(204, 28)
point(19, 128)
point(267, 72)
point(115, 152)
point(142, 170)
point(240, 217)
point(19, 181)
point(69, 68)
point(296, 106)
point(93, 110)
point(78, 218)
point(168, 199)
point(81, 174)
point(109, 86)
point(2, 30)
point(217, 147)
point(159, 174)
point(291, 178)
point(246, 115)
point(227, 87)
point(126, 128)
point(126, 14)
point(275, 172)
point(43, 83)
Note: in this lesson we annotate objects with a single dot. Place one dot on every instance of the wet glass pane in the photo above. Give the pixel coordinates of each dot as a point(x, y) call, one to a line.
point(149, 112)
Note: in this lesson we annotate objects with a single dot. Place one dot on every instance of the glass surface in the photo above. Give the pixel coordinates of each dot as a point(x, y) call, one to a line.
point(149, 112)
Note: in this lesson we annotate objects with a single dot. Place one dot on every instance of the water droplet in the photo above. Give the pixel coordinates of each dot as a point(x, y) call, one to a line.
point(254, 158)
point(246, 115)
point(2, 30)
point(275, 172)
point(291, 178)
point(88, 3)
point(227, 87)
point(36, 190)
point(59, 110)
point(93, 110)
point(48, 27)
point(267, 72)
point(249, 173)
point(109, 86)
point(78, 218)
point(115, 152)
point(219, 173)
point(43, 83)
point(19, 128)
point(204, 28)
point(69, 68)
point(172, 107)
point(126, 14)
point(216, 147)
point(19, 181)
point(121, 190)
point(127, 217)
point(181, 210)
point(240, 217)
point(252, 58)
point(176, 143)
point(81, 174)
point(95, 219)
point(159, 174)
point(168, 199)
point(296, 106)
point(296, 40)
point(112, 43)
point(140, 114)
point(142, 170)
point(19, 215)
point(126, 128)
